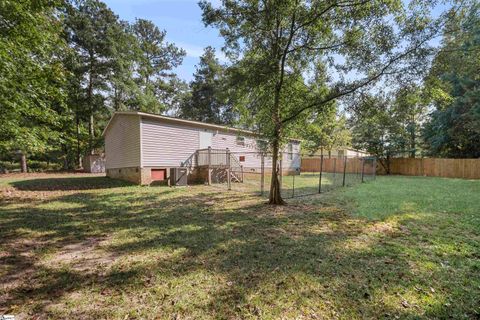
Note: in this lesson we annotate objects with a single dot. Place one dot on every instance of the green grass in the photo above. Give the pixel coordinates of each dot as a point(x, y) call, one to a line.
point(91, 247)
point(296, 185)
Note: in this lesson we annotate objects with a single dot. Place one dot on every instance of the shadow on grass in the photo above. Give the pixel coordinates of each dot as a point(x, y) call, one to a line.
point(270, 261)
point(67, 184)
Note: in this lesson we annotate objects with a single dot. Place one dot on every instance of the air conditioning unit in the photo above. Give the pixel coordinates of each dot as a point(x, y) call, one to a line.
point(178, 176)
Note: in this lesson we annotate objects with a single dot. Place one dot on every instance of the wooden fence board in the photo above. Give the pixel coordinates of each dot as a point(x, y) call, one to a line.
point(429, 167)
point(435, 167)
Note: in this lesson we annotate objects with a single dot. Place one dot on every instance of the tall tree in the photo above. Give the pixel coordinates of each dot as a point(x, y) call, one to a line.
point(157, 59)
point(276, 45)
point(31, 76)
point(90, 29)
point(325, 132)
point(377, 129)
point(453, 87)
point(208, 100)
point(410, 112)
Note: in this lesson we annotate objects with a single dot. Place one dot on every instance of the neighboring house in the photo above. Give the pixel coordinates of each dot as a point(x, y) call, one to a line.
point(142, 147)
point(342, 151)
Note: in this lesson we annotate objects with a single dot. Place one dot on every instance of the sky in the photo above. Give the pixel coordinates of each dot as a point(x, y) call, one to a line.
point(182, 19)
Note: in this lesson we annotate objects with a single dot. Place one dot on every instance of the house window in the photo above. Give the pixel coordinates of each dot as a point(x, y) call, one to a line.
point(290, 151)
point(240, 141)
point(241, 158)
point(262, 145)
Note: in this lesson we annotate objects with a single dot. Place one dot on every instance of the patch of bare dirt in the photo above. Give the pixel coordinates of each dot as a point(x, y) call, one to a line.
point(83, 256)
point(21, 264)
point(10, 194)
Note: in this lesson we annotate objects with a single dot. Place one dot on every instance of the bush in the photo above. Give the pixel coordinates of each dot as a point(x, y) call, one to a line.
point(9, 166)
point(33, 166)
point(40, 166)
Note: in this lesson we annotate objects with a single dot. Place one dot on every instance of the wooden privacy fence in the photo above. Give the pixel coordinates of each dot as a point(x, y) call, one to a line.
point(434, 167)
point(337, 165)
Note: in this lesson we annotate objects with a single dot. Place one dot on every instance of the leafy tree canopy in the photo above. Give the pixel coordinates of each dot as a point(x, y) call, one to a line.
point(31, 75)
point(292, 56)
point(453, 86)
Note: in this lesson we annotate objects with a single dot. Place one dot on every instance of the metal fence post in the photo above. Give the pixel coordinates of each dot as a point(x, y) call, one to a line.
point(293, 186)
point(229, 178)
point(320, 177)
point(344, 170)
point(363, 168)
point(262, 170)
point(334, 169)
point(209, 158)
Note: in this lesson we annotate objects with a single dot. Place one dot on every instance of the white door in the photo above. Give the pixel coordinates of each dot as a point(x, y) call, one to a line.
point(205, 139)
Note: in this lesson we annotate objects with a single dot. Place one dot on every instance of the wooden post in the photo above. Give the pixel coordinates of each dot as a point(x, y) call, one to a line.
point(229, 178)
point(209, 159)
point(344, 169)
point(320, 178)
point(262, 170)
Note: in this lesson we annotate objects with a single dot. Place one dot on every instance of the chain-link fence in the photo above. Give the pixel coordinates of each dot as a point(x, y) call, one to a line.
point(251, 172)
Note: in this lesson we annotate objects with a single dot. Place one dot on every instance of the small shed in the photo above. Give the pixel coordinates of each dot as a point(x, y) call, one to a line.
point(143, 148)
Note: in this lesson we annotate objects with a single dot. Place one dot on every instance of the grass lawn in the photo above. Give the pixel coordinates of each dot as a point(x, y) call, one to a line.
point(89, 247)
point(294, 185)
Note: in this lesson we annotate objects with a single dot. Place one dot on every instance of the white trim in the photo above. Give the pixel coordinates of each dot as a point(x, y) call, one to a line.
point(141, 143)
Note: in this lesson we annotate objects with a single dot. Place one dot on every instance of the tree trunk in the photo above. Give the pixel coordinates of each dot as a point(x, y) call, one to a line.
point(23, 162)
point(91, 129)
point(412, 140)
point(386, 164)
point(79, 158)
point(65, 158)
point(275, 187)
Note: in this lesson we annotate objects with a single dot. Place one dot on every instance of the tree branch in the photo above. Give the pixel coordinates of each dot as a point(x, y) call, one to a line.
point(348, 90)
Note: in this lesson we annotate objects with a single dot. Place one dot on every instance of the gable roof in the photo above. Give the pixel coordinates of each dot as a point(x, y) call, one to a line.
point(198, 124)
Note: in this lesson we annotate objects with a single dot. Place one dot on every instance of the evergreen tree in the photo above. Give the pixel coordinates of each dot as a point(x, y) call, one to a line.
point(157, 58)
point(208, 100)
point(91, 29)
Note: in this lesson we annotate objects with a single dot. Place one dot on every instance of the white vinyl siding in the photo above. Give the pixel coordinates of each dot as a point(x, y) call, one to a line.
point(122, 142)
point(167, 144)
point(291, 156)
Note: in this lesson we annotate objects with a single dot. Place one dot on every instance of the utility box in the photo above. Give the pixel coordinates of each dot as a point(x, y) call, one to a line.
point(178, 177)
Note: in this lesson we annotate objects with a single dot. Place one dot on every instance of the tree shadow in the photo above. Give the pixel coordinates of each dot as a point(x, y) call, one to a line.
point(266, 261)
point(68, 184)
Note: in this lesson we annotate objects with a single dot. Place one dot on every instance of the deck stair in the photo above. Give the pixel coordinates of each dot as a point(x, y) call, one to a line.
point(220, 163)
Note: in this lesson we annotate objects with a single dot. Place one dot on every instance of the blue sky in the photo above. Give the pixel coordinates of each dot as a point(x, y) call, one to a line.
point(182, 19)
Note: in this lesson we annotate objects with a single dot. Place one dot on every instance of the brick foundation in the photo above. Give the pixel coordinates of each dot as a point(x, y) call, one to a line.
point(133, 174)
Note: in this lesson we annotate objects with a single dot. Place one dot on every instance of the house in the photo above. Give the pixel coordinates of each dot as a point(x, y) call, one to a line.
point(142, 148)
point(342, 151)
